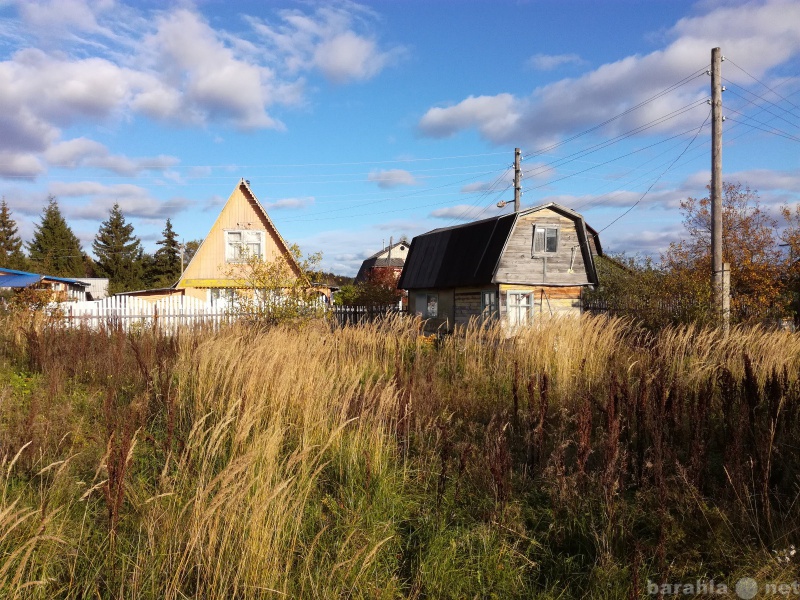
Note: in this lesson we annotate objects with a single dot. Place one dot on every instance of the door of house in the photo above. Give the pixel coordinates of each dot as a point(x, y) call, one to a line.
point(519, 308)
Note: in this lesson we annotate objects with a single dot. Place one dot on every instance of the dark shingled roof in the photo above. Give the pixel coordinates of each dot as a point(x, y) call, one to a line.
point(456, 256)
point(467, 255)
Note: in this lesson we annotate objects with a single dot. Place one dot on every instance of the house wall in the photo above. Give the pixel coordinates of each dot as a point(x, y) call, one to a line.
point(518, 266)
point(547, 300)
point(446, 314)
point(208, 267)
point(468, 303)
point(399, 251)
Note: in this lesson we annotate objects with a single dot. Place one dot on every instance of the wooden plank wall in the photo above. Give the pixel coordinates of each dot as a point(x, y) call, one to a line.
point(239, 212)
point(547, 300)
point(517, 265)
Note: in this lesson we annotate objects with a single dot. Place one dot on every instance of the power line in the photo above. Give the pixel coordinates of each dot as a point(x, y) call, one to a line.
point(483, 195)
point(763, 109)
point(623, 136)
point(777, 132)
point(551, 181)
point(730, 60)
point(698, 73)
point(394, 197)
point(699, 129)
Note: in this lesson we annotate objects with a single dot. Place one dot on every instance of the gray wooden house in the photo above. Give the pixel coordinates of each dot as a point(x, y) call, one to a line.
point(512, 267)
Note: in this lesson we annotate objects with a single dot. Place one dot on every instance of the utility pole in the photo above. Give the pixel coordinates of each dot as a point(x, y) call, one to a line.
point(517, 186)
point(517, 177)
point(717, 286)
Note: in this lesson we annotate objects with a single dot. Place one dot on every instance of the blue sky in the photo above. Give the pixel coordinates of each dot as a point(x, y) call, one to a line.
point(357, 122)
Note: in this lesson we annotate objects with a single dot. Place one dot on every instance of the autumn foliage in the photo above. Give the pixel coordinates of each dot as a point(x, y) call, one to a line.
point(764, 275)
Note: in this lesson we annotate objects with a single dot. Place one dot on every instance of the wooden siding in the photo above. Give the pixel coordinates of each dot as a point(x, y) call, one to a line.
point(516, 264)
point(241, 212)
point(547, 301)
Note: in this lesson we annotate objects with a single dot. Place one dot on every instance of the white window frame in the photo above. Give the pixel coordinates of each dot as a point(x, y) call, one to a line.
point(544, 230)
point(222, 296)
point(519, 313)
point(239, 251)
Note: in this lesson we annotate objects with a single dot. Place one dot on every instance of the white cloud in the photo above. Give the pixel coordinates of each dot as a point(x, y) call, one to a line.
point(289, 203)
point(15, 165)
point(759, 35)
point(765, 180)
point(496, 117)
point(348, 57)
point(548, 62)
point(334, 39)
point(391, 178)
point(99, 60)
point(134, 201)
point(464, 212)
point(80, 152)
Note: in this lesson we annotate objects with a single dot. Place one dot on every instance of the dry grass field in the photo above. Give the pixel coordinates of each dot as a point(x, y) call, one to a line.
point(582, 458)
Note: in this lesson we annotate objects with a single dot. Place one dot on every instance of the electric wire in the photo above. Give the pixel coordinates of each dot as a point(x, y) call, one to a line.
point(699, 129)
point(623, 136)
point(763, 108)
point(730, 60)
point(777, 132)
point(692, 76)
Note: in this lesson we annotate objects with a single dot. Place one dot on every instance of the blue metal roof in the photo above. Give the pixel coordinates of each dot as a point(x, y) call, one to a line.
point(19, 281)
point(12, 272)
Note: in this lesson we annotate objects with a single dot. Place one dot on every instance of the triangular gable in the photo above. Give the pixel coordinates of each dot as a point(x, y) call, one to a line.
point(242, 211)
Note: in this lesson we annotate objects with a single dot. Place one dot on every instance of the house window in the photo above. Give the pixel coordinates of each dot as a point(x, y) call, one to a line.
point(519, 308)
point(545, 240)
point(488, 304)
point(222, 296)
point(431, 305)
point(242, 244)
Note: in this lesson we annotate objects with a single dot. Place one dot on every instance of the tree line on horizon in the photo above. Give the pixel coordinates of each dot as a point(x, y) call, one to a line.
point(55, 250)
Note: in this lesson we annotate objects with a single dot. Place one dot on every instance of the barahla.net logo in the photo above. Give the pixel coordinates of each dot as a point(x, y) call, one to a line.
point(746, 588)
point(700, 587)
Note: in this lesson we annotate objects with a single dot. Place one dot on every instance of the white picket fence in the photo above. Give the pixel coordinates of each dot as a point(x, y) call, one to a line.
point(130, 312)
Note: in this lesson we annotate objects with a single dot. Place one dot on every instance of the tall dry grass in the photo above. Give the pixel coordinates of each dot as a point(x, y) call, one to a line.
point(373, 462)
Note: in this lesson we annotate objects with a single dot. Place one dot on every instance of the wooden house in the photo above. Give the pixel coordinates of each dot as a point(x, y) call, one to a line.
point(516, 267)
point(242, 229)
point(393, 257)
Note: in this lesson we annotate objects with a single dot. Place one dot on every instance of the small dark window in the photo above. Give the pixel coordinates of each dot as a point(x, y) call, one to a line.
point(545, 240)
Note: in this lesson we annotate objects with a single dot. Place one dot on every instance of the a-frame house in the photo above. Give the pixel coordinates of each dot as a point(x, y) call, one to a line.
point(243, 228)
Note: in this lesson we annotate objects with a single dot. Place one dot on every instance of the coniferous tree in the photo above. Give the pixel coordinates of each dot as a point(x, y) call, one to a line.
point(167, 259)
point(189, 250)
point(119, 253)
point(11, 256)
point(54, 249)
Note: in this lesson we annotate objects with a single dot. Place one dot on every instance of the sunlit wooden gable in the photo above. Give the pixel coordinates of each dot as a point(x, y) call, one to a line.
point(242, 227)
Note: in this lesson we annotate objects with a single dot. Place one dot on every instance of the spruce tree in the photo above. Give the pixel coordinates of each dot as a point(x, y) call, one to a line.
point(11, 256)
point(167, 259)
point(119, 253)
point(54, 249)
